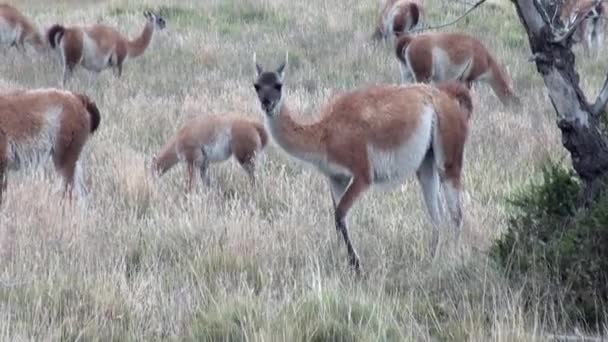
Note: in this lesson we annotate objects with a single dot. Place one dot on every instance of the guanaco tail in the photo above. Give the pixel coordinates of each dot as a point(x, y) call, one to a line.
point(38, 124)
point(98, 47)
point(212, 139)
point(377, 135)
point(438, 56)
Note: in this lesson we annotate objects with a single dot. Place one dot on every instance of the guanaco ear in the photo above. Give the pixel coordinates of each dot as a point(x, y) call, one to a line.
point(281, 69)
point(258, 68)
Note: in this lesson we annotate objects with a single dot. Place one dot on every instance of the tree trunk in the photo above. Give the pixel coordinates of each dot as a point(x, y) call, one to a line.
point(551, 45)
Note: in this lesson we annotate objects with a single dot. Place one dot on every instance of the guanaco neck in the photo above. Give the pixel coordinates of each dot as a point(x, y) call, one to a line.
point(301, 141)
point(166, 158)
point(500, 83)
point(137, 47)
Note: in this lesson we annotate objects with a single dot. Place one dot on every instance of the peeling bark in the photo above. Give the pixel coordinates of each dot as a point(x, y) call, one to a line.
point(577, 119)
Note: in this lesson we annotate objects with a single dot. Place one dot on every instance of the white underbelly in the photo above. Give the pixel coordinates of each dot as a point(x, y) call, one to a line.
point(393, 165)
point(219, 149)
point(92, 58)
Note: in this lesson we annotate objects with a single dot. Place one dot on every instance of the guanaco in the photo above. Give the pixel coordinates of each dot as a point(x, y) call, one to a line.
point(398, 16)
point(590, 32)
point(42, 123)
point(377, 135)
point(212, 139)
point(16, 30)
point(442, 56)
point(98, 47)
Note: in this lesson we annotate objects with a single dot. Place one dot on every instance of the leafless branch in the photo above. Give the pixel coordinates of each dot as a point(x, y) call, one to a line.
point(477, 4)
point(578, 19)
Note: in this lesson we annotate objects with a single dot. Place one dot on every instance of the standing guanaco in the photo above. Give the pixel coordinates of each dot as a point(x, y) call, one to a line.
point(375, 135)
point(42, 123)
point(98, 47)
point(442, 56)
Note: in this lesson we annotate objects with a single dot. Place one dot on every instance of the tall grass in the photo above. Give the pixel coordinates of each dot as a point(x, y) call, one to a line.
point(230, 262)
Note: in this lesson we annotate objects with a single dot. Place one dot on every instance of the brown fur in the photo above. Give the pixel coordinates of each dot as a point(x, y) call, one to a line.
point(45, 122)
point(398, 16)
point(469, 61)
point(361, 137)
point(110, 49)
point(590, 32)
point(17, 21)
point(199, 136)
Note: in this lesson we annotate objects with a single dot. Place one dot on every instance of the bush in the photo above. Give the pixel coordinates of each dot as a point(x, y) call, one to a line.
point(553, 243)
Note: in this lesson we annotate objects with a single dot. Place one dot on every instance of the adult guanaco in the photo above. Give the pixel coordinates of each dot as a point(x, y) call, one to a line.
point(98, 47)
point(442, 56)
point(398, 16)
point(16, 30)
point(590, 31)
point(42, 123)
point(377, 135)
point(212, 139)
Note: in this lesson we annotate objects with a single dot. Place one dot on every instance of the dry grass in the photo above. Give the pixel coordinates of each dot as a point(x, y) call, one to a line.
point(146, 262)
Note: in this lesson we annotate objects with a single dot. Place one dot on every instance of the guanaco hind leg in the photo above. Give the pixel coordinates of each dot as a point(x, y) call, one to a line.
point(428, 177)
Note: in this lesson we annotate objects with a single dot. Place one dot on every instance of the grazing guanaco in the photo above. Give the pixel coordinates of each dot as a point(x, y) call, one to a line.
point(398, 16)
point(211, 139)
point(442, 56)
point(377, 135)
point(98, 47)
point(16, 29)
point(590, 31)
point(43, 123)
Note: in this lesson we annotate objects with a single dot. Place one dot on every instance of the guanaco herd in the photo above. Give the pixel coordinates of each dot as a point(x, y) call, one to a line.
point(374, 135)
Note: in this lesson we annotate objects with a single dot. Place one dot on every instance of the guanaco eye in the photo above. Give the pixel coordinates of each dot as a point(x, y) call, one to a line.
point(278, 86)
point(257, 87)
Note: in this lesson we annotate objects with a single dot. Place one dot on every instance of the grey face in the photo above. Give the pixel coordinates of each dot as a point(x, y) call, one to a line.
point(158, 21)
point(269, 88)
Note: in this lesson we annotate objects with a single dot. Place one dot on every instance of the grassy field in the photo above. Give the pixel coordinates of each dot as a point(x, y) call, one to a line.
point(235, 263)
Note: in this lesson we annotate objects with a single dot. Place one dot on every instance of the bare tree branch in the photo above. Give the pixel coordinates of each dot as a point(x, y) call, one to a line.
point(572, 26)
point(477, 4)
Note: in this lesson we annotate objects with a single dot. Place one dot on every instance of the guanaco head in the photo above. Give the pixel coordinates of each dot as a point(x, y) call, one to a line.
point(155, 19)
point(269, 87)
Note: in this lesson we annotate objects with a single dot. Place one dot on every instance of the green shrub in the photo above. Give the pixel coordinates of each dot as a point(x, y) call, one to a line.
point(554, 245)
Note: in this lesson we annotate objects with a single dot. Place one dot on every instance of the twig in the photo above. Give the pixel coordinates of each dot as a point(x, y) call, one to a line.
point(477, 4)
